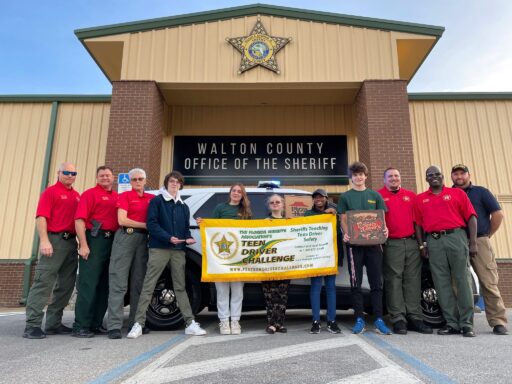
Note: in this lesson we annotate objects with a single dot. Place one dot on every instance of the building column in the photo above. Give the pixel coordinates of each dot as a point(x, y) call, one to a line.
point(384, 131)
point(136, 129)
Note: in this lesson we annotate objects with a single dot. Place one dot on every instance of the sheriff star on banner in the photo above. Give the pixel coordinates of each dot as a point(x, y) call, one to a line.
point(254, 250)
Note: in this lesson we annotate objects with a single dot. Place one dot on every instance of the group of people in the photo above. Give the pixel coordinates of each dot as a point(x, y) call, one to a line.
point(114, 252)
point(128, 239)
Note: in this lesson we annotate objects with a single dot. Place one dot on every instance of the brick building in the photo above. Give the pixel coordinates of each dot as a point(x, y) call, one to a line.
point(183, 96)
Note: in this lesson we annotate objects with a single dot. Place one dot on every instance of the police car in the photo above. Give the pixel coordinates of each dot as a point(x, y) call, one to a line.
point(163, 312)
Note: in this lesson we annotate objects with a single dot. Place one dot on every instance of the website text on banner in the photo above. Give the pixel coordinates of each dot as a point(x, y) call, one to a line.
point(254, 250)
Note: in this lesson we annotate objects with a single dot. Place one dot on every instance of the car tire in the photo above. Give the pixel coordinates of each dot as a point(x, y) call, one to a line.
point(432, 314)
point(163, 312)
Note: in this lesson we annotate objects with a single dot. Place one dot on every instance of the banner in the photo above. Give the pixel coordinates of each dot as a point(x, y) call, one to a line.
point(254, 250)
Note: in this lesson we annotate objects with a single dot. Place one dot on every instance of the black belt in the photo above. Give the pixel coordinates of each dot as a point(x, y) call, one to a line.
point(437, 234)
point(482, 235)
point(413, 237)
point(106, 234)
point(130, 230)
point(65, 235)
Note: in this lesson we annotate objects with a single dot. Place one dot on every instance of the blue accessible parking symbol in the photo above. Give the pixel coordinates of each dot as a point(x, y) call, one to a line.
point(123, 183)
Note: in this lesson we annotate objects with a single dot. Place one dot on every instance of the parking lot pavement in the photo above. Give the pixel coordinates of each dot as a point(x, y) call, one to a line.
point(254, 356)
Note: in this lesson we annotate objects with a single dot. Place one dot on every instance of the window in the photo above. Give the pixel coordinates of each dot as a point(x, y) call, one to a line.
point(207, 208)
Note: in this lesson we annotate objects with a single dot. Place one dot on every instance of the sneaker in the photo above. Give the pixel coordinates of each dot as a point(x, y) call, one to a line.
point(315, 328)
point(333, 327)
point(447, 330)
point(60, 330)
point(500, 330)
point(114, 334)
point(400, 327)
point(236, 329)
point(381, 327)
point(420, 327)
point(224, 327)
point(194, 329)
point(82, 333)
point(101, 330)
point(33, 333)
point(135, 332)
point(468, 332)
point(359, 327)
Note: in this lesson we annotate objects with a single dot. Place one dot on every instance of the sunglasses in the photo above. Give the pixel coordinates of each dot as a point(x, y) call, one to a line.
point(138, 178)
point(69, 173)
point(275, 202)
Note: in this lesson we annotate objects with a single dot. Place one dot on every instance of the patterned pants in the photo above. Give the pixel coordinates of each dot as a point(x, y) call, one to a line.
point(276, 297)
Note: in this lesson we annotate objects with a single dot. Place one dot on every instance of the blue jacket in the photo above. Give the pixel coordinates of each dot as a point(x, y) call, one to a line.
point(166, 219)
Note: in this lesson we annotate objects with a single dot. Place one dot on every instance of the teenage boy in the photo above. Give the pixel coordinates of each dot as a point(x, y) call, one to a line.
point(370, 256)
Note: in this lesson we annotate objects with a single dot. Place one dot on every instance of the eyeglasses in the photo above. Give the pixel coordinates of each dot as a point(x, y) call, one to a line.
point(138, 178)
point(69, 173)
point(275, 202)
point(173, 182)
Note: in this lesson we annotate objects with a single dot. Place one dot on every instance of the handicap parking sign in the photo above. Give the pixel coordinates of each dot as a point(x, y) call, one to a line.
point(123, 183)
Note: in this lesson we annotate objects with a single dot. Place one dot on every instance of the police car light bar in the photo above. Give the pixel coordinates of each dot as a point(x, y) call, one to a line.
point(269, 184)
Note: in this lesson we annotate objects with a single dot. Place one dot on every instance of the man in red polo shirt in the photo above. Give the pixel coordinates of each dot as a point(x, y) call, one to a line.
point(95, 223)
point(442, 215)
point(129, 253)
point(58, 256)
point(402, 261)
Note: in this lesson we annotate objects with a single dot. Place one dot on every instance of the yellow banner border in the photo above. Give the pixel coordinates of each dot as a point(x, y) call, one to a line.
point(264, 276)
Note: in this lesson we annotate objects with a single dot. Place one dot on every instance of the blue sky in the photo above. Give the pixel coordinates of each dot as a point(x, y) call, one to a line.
point(41, 54)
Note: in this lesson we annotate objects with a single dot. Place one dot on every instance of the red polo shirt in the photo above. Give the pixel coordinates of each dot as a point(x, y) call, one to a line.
point(449, 210)
point(399, 215)
point(136, 206)
point(100, 205)
point(58, 205)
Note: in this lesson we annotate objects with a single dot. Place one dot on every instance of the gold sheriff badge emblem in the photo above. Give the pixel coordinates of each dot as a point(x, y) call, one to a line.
point(259, 48)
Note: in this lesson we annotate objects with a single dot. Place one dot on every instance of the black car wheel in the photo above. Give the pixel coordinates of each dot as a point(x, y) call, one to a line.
point(432, 314)
point(163, 311)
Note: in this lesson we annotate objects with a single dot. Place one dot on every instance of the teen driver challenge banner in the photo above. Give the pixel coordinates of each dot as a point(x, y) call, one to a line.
point(254, 250)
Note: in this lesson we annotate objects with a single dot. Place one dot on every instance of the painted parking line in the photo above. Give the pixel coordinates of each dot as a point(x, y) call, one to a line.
point(163, 371)
point(384, 375)
point(5, 314)
point(431, 373)
point(120, 371)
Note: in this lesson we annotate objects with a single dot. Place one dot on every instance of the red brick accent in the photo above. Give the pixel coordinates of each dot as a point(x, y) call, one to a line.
point(136, 129)
point(11, 283)
point(505, 284)
point(384, 131)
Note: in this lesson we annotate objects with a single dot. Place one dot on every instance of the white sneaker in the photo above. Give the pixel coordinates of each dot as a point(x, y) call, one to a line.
point(194, 329)
point(135, 332)
point(236, 329)
point(224, 328)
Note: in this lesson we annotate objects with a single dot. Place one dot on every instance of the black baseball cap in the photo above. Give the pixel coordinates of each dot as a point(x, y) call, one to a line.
point(461, 167)
point(321, 192)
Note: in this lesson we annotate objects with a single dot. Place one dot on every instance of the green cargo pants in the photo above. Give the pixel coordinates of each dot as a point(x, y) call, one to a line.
point(129, 259)
point(54, 276)
point(449, 260)
point(92, 296)
point(158, 259)
point(402, 279)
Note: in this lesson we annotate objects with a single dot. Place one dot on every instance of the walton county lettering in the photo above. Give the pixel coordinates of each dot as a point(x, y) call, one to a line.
point(253, 157)
point(254, 250)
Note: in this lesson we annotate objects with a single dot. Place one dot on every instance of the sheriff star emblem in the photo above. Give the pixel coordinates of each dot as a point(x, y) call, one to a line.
point(223, 245)
point(259, 48)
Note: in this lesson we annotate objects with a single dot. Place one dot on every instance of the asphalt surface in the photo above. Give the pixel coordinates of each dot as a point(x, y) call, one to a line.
point(254, 356)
